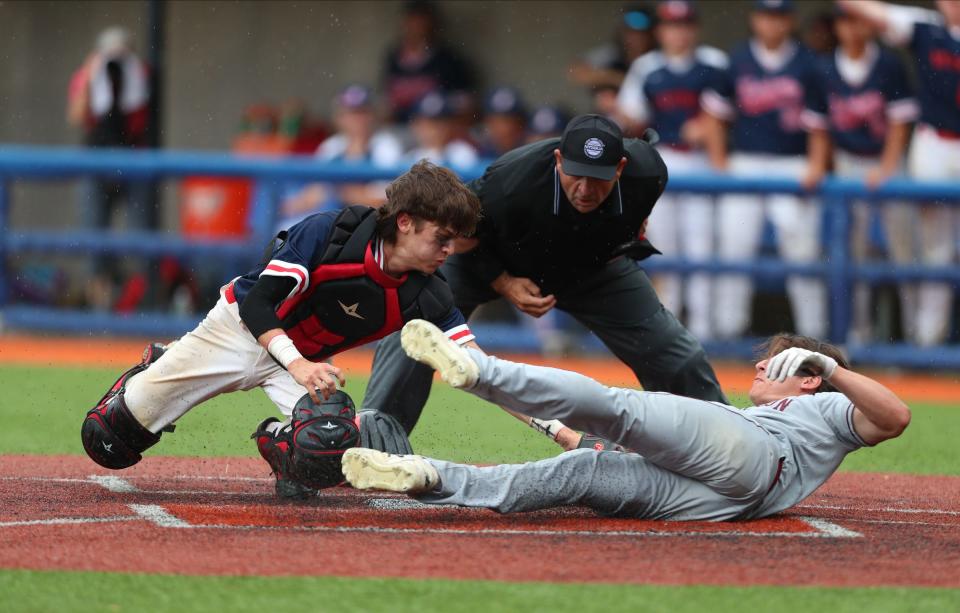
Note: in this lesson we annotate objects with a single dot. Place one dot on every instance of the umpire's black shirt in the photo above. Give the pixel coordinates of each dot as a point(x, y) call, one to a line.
point(530, 229)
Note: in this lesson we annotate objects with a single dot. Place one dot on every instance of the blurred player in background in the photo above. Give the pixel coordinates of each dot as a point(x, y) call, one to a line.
point(108, 100)
point(504, 122)
point(762, 97)
point(662, 91)
point(866, 105)
point(606, 65)
point(434, 129)
point(933, 38)
point(421, 63)
point(546, 122)
point(358, 139)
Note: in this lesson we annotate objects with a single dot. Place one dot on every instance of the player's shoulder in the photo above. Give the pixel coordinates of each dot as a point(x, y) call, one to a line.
point(647, 63)
point(888, 59)
point(516, 172)
point(712, 57)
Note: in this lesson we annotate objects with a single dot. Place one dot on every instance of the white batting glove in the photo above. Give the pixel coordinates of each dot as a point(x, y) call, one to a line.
point(788, 362)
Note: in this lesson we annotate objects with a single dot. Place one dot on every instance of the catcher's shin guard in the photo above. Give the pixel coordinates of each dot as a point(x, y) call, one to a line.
point(111, 435)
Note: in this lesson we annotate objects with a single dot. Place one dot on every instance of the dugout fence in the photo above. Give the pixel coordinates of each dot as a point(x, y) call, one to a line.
point(838, 270)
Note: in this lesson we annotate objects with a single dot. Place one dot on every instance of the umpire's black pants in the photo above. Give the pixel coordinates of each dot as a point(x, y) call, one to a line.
point(618, 304)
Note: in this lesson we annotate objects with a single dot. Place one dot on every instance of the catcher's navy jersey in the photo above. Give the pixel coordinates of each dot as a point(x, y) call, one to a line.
point(301, 252)
point(857, 114)
point(765, 105)
point(663, 93)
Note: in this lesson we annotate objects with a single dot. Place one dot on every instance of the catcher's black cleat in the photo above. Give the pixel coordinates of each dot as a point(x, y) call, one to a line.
point(276, 448)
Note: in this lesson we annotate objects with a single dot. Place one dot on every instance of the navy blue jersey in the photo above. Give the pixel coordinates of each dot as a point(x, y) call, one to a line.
point(859, 114)
point(664, 93)
point(764, 105)
point(301, 252)
point(937, 57)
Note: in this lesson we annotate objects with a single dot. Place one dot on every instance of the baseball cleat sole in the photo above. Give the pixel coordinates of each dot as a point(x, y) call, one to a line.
point(367, 469)
point(424, 342)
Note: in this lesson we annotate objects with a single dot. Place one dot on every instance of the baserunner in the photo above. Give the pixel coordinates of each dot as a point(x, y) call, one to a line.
point(691, 459)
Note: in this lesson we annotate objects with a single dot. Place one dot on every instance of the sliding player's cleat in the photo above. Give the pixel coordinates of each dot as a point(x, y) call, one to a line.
point(424, 342)
point(367, 469)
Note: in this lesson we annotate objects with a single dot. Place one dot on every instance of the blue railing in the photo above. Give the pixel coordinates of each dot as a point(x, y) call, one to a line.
point(269, 174)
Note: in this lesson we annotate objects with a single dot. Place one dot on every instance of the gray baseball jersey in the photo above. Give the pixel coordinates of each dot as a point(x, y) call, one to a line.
point(694, 460)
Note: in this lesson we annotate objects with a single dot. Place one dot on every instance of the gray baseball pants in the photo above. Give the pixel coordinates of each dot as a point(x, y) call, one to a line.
point(694, 460)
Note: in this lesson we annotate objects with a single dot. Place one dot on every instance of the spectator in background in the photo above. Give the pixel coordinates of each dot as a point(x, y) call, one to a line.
point(419, 63)
point(357, 140)
point(434, 129)
point(504, 122)
point(662, 91)
point(865, 105)
point(933, 39)
point(547, 122)
point(763, 96)
point(819, 34)
point(605, 66)
point(604, 102)
point(108, 99)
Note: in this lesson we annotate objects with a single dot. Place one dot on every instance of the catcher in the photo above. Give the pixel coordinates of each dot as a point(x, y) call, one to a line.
point(335, 280)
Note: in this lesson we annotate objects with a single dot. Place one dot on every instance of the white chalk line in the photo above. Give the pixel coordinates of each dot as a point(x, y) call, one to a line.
point(158, 515)
point(878, 510)
point(67, 520)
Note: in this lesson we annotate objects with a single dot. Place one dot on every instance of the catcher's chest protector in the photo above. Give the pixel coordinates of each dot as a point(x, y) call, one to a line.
point(350, 300)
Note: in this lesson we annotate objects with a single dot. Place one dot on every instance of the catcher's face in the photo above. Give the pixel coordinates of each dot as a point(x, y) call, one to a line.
point(424, 244)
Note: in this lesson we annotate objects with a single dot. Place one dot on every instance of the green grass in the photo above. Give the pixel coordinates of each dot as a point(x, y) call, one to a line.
point(42, 409)
point(114, 592)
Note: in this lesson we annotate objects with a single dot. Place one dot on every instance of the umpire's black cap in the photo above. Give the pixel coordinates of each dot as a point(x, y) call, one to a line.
point(591, 146)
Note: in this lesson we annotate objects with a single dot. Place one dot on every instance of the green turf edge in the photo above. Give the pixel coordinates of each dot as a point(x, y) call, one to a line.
point(43, 408)
point(23, 591)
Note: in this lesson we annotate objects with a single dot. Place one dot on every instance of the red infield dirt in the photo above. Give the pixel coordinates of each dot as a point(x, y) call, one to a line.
point(220, 517)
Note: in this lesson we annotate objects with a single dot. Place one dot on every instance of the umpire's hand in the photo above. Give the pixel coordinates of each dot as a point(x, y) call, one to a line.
point(319, 378)
point(524, 294)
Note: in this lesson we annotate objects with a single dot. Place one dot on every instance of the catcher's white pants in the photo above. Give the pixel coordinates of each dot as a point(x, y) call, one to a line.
point(898, 224)
point(682, 225)
point(218, 356)
point(797, 222)
point(934, 158)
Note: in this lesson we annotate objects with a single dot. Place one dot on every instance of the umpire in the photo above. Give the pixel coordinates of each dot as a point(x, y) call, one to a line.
point(562, 225)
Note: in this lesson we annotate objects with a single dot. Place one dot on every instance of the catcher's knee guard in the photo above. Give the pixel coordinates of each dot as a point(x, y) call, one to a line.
point(111, 435)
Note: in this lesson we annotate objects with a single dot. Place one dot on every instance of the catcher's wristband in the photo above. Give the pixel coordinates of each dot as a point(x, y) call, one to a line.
point(283, 349)
point(549, 428)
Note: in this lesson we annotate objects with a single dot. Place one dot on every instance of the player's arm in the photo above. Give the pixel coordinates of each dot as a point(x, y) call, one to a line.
point(878, 413)
point(877, 13)
point(894, 148)
point(258, 313)
point(818, 157)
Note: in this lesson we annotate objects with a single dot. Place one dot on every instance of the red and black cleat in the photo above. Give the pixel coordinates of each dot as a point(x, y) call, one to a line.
point(276, 447)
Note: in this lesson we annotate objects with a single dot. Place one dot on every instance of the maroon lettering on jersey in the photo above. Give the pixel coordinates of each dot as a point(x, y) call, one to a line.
point(942, 59)
point(848, 113)
point(759, 96)
point(674, 99)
